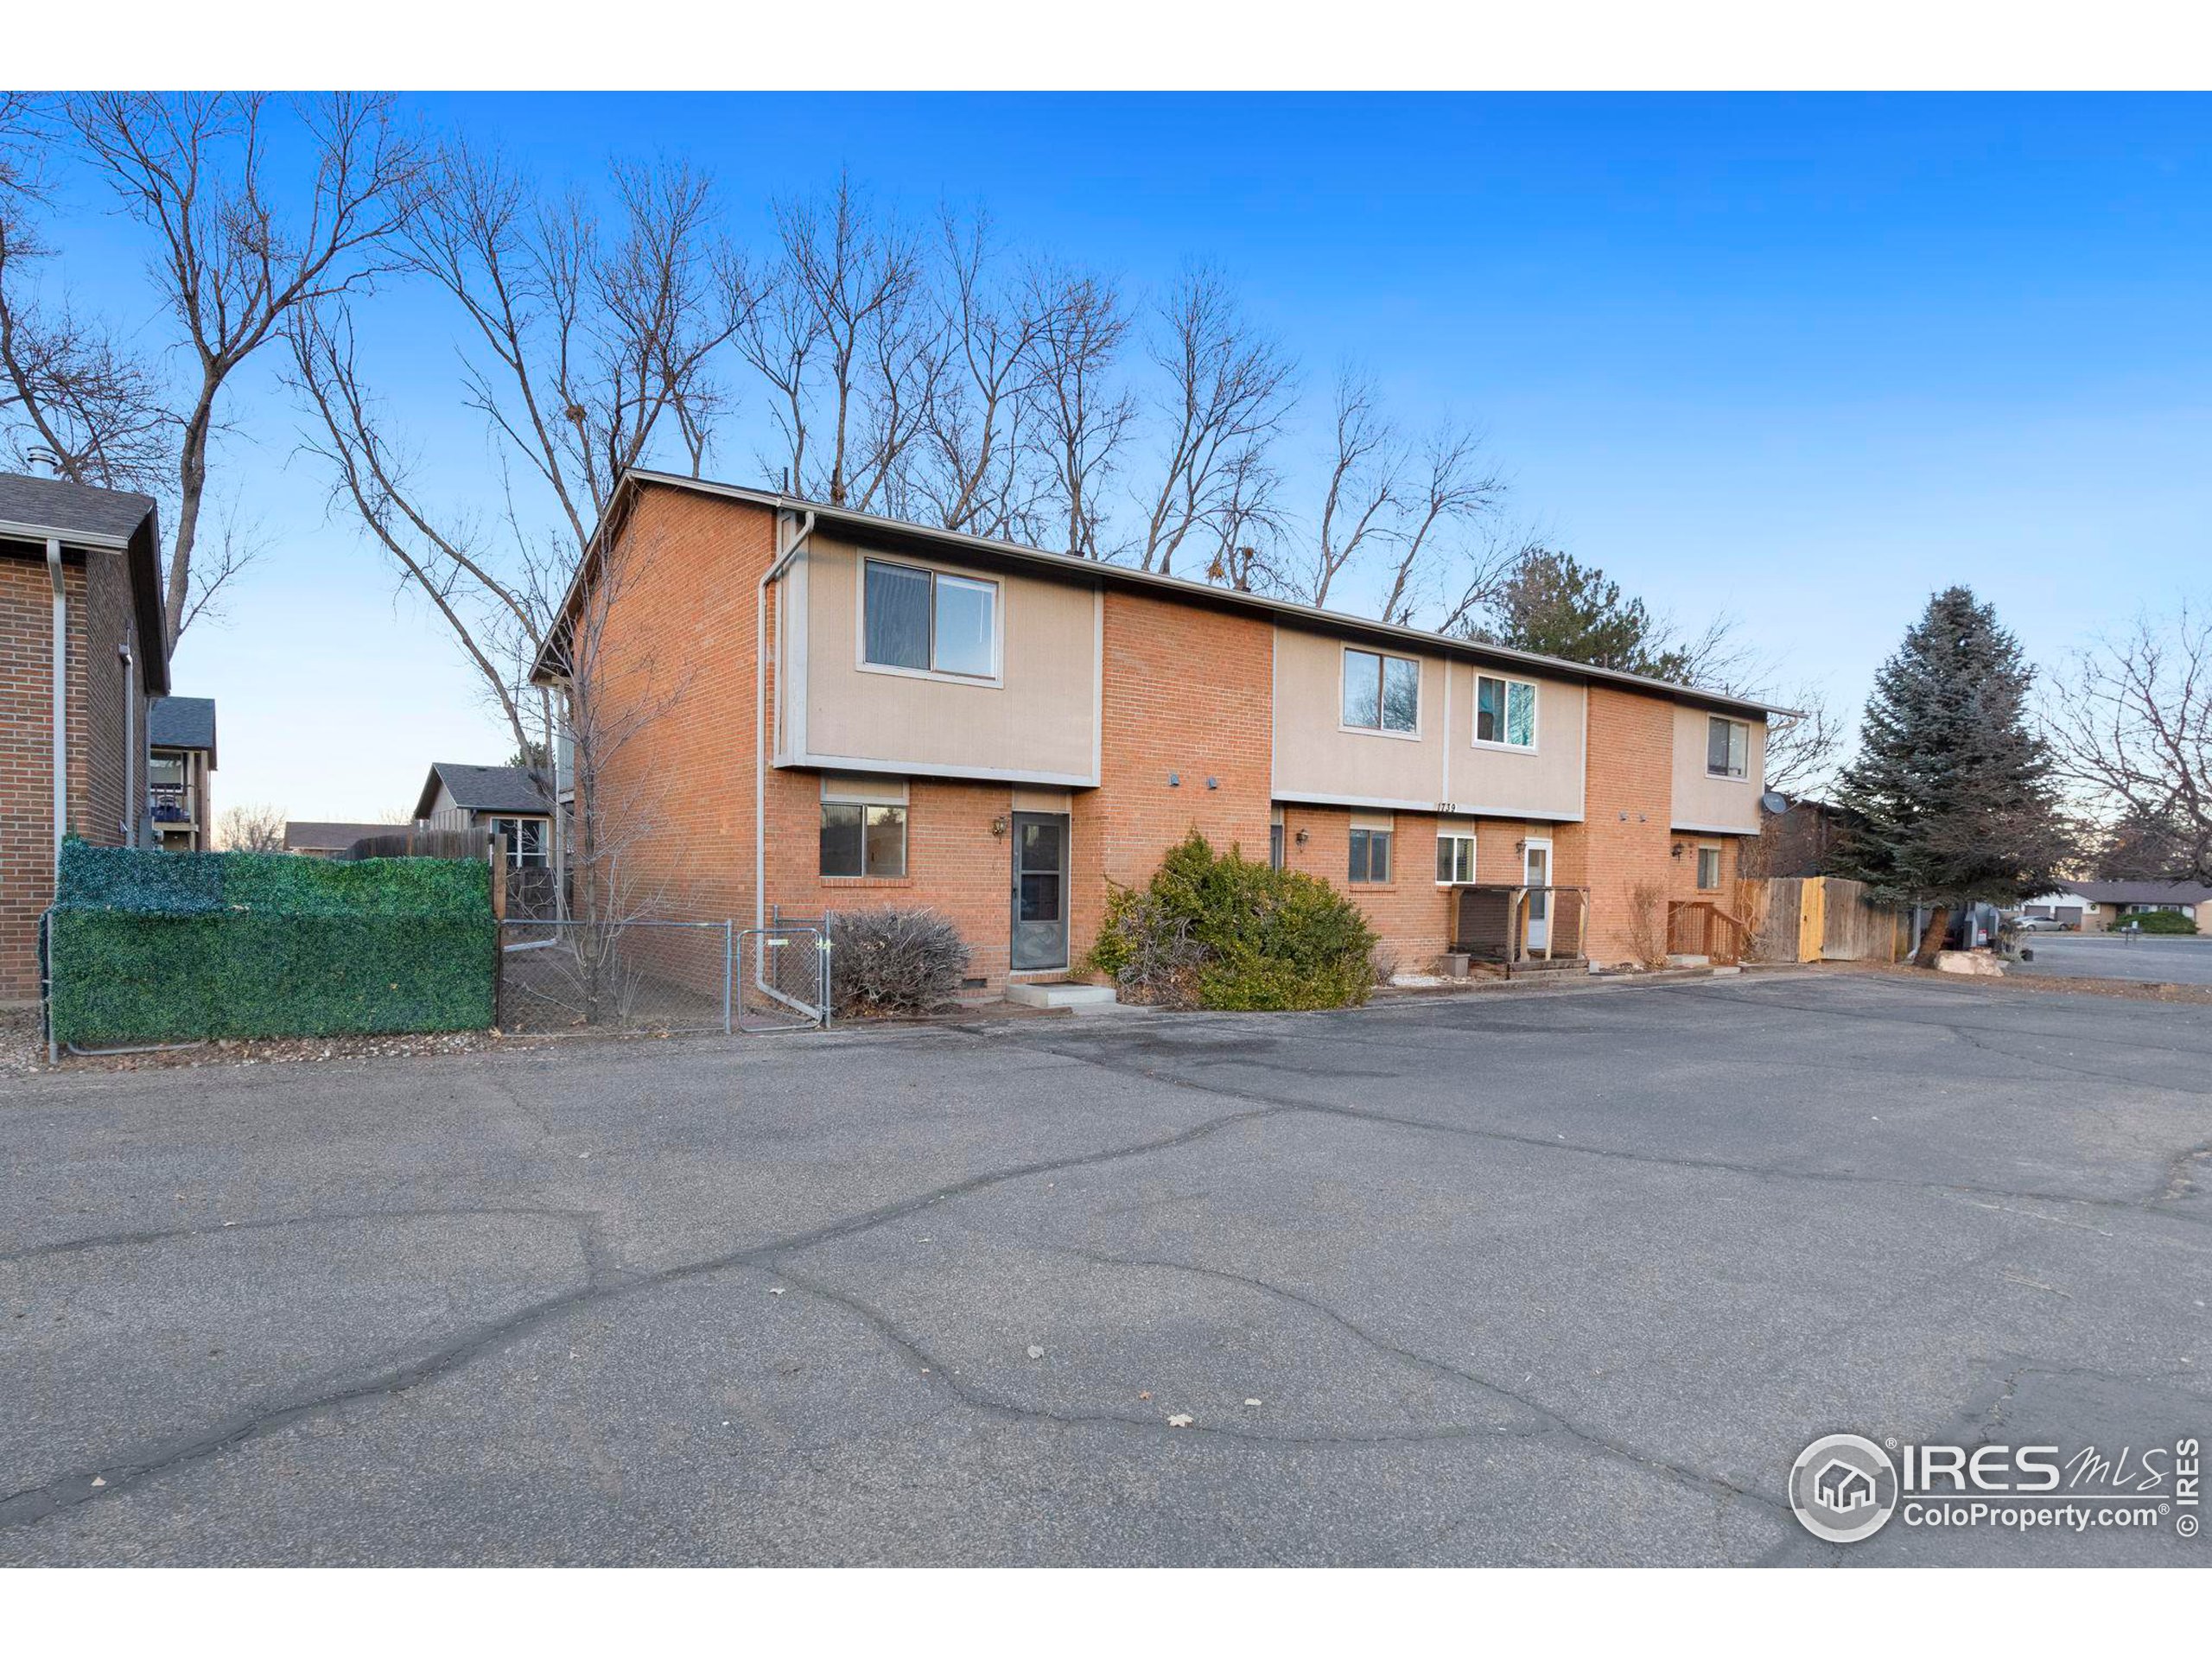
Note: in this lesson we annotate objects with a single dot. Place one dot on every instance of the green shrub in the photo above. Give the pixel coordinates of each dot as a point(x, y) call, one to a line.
point(2156, 921)
point(1214, 931)
point(163, 947)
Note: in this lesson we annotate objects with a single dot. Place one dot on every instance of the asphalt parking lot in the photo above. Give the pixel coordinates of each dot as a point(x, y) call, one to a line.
point(1510, 1279)
point(2167, 960)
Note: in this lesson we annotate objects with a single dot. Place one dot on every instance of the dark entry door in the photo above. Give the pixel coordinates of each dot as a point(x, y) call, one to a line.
point(1041, 890)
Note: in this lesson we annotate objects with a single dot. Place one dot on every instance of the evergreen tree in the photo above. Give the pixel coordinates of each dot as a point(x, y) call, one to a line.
point(1553, 603)
point(1950, 800)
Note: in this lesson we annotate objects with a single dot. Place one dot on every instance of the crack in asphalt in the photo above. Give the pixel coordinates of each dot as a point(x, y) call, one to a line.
point(401, 1373)
point(134, 1469)
point(1526, 1138)
point(582, 1219)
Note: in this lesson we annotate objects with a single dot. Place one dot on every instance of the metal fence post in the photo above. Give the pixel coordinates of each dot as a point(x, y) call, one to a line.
point(729, 967)
point(822, 950)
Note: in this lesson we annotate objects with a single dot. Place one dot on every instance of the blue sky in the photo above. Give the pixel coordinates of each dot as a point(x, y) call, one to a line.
point(1802, 358)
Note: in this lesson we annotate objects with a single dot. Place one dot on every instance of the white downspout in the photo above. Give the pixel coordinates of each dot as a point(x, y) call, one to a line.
point(760, 716)
point(61, 698)
point(129, 825)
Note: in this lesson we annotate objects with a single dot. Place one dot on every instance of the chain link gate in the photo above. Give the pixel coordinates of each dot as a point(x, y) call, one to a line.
point(780, 978)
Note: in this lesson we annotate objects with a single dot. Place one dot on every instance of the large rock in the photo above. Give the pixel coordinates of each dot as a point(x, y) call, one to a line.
point(1969, 962)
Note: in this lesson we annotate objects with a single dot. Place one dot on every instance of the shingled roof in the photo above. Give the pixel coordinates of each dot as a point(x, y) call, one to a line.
point(483, 789)
point(79, 517)
point(2139, 893)
point(182, 723)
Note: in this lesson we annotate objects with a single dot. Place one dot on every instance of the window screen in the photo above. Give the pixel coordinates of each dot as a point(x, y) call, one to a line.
point(1505, 712)
point(897, 616)
point(1727, 747)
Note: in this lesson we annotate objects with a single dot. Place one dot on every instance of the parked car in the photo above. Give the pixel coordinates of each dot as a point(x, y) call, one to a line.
point(2038, 924)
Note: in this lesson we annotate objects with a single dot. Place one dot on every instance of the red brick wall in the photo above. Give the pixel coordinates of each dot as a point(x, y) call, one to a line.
point(105, 776)
point(677, 662)
point(1189, 693)
point(1629, 797)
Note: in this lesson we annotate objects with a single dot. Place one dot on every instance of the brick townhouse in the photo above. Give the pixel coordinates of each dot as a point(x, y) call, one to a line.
point(822, 710)
point(81, 655)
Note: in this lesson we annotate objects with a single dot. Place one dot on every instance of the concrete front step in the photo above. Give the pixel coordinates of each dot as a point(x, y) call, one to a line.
point(1058, 994)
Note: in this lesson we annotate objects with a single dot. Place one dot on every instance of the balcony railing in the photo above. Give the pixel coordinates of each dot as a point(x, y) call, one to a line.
point(172, 803)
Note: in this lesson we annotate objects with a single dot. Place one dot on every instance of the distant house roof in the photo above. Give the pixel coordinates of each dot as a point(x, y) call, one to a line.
point(182, 723)
point(483, 789)
point(35, 510)
point(303, 837)
point(2139, 893)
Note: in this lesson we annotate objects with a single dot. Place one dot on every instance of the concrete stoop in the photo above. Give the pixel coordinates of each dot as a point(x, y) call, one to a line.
point(1059, 995)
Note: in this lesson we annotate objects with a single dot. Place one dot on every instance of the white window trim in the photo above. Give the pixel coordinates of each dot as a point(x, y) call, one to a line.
point(1535, 716)
point(1344, 659)
point(1743, 776)
point(1474, 856)
point(995, 679)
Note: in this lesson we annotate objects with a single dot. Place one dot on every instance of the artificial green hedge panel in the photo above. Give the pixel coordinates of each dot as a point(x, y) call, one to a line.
point(165, 947)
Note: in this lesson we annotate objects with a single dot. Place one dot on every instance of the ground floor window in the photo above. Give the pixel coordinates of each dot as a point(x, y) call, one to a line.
point(1371, 856)
point(1455, 860)
point(1708, 869)
point(1274, 840)
point(859, 838)
point(525, 842)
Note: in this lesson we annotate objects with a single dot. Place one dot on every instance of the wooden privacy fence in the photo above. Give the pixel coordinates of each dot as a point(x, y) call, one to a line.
point(1824, 919)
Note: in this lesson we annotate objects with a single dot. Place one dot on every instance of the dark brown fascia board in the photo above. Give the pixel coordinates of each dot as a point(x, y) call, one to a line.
point(1011, 554)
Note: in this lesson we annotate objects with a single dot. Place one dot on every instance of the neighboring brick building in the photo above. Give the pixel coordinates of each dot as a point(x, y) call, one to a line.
point(79, 569)
point(1002, 734)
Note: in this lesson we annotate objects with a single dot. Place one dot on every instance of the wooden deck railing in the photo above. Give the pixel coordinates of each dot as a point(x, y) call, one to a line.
point(1699, 927)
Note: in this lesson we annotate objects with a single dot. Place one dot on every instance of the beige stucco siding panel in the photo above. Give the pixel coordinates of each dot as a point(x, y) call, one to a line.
point(1702, 801)
point(1316, 756)
point(1543, 783)
point(1038, 722)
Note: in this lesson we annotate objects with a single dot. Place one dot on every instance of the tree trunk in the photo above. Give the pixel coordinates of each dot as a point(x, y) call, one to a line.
point(1931, 941)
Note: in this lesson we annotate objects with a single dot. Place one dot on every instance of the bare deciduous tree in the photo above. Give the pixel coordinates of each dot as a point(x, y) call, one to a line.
point(1082, 418)
point(231, 266)
point(2130, 725)
point(846, 340)
point(1229, 390)
point(588, 346)
point(976, 467)
point(250, 829)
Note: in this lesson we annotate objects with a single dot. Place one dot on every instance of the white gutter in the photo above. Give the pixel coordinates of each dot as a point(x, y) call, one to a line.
point(60, 699)
point(760, 715)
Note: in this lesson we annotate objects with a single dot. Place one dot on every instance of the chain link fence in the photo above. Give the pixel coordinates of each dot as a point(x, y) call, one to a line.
point(649, 976)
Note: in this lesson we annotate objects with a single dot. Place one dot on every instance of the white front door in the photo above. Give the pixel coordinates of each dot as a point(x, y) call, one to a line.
point(1536, 872)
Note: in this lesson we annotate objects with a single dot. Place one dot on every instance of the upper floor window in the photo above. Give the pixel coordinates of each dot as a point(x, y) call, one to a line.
point(1505, 712)
point(1381, 694)
point(1727, 748)
point(929, 621)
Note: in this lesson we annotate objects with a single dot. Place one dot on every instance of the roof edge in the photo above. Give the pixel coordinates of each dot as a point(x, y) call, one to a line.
point(1310, 615)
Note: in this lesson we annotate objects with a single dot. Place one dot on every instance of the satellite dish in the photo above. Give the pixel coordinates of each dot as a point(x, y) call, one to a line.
point(1775, 801)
